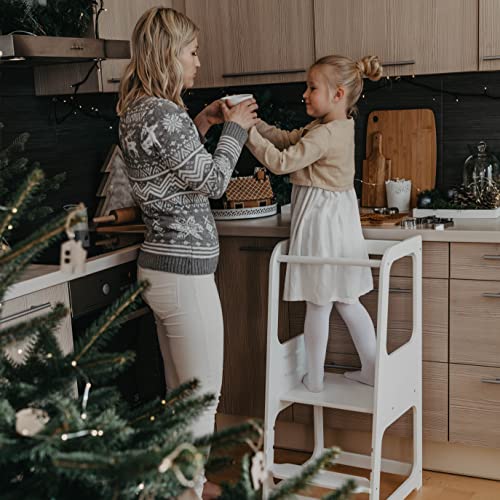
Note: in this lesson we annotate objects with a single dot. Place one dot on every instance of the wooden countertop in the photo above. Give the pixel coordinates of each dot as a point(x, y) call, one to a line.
point(464, 230)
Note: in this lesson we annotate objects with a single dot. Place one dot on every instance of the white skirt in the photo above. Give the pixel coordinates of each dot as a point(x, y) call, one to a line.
point(326, 224)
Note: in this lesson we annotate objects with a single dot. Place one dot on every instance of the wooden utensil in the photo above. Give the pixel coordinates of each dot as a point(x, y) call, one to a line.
point(382, 220)
point(120, 216)
point(127, 228)
point(410, 143)
point(376, 170)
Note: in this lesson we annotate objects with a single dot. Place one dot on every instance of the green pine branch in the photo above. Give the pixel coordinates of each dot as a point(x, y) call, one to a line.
point(292, 485)
point(100, 332)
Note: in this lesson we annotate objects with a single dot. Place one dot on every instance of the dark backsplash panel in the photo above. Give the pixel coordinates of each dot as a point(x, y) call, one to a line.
point(80, 144)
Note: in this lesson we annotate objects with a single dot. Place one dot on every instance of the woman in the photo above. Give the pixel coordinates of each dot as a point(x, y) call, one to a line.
point(172, 178)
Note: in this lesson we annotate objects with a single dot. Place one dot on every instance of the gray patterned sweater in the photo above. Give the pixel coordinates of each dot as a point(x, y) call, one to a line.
point(172, 178)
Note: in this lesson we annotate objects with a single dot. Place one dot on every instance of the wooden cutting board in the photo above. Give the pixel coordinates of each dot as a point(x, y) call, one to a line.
point(410, 142)
point(376, 170)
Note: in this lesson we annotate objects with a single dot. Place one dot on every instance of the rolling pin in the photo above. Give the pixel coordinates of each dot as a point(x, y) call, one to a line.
point(120, 216)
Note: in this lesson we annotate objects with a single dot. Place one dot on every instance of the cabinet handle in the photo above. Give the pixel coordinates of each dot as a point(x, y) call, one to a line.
point(396, 290)
point(259, 73)
point(256, 249)
point(20, 314)
point(491, 294)
point(490, 58)
point(399, 63)
point(114, 80)
point(490, 380)
point(341, 367)
point(491, 257)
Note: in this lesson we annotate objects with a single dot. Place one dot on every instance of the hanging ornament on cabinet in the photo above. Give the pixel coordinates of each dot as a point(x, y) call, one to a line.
point(73, 255)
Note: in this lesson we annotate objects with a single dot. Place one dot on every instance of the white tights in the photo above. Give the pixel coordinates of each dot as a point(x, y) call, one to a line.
point(316, 329)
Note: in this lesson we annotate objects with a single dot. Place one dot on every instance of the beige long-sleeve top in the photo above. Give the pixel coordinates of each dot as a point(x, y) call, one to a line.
point(319, 155)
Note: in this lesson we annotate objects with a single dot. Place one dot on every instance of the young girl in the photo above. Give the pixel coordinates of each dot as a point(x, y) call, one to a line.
point(325, 216)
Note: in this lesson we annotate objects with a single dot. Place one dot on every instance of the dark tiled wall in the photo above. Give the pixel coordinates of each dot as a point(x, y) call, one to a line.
point(80, 144)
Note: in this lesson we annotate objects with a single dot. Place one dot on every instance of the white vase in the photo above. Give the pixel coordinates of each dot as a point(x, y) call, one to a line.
point(398, 194)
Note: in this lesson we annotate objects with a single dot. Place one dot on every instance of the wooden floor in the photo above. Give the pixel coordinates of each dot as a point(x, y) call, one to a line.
point(436, 486)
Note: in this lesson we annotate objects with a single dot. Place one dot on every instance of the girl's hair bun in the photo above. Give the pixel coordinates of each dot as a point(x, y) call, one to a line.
point(370, 67)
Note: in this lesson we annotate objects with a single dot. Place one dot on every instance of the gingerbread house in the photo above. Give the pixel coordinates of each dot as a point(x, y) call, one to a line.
point(249, 192)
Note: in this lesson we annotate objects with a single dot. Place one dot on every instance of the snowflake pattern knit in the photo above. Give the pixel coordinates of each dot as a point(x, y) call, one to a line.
point(172, 178)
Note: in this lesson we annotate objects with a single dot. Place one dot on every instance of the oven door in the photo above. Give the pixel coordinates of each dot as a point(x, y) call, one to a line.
point(90, 296)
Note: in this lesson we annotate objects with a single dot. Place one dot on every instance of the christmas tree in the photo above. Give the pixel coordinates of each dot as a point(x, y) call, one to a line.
point(14, 166)
point(57, 443)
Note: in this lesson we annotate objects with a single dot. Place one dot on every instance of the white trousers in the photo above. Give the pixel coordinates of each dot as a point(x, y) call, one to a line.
point(190, 332)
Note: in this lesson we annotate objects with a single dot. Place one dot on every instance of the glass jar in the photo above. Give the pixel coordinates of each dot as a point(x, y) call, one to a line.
point(481, 170)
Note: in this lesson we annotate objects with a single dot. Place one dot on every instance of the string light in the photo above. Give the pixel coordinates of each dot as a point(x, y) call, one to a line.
point(412, 80)
point(374, 184)
point(85, 399)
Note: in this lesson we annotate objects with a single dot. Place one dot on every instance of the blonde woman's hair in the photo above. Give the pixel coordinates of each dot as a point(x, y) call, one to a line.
point(344, 72)
point(154, 69)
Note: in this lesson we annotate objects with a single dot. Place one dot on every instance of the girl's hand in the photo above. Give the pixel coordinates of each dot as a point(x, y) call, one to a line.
point(244, 114)
point(213, 113)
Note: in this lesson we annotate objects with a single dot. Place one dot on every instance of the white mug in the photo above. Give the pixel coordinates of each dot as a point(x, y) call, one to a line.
point(235, 99)
point(398, 194)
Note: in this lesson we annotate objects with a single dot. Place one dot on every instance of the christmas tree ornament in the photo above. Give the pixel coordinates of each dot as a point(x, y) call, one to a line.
point(258, 471)
point(30, 421)
point(169, 463)
point(73, 255)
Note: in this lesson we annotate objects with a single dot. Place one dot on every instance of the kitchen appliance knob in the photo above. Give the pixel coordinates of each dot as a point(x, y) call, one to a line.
point(106, 289)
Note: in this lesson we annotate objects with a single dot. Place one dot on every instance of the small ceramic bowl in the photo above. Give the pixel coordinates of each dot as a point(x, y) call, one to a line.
point(235, 99)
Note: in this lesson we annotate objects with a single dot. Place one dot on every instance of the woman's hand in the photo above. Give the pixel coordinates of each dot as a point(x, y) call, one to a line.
point(244, 114)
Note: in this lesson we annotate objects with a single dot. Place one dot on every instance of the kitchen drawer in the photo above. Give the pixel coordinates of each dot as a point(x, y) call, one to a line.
point(475, 322)
point(28, 307)
point(434, 401)
point(475, 261)
point(435, 262)
point(435, 319)
point(475, 405)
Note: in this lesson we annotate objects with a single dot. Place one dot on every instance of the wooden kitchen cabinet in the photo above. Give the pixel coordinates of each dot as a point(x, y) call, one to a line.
point(116, 23)
point(489, 35)
point(475, 322)
point(475, 405)
point(28, 307)
point(253, 41)
point(475, 261)
point(428, 36)
point(242, 277)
